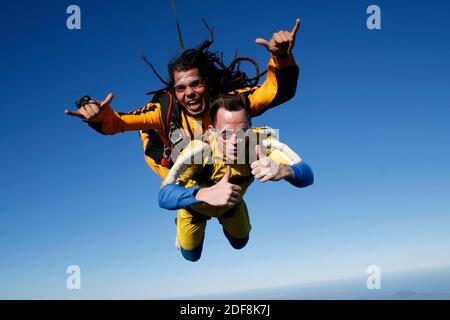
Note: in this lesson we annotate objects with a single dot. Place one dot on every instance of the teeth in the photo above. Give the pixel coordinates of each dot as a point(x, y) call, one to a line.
point(193, 102)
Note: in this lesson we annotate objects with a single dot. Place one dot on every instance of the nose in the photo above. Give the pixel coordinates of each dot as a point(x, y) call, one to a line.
point(190, 93)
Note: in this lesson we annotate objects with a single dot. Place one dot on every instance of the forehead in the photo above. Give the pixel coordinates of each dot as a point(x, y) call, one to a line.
point(231, 119)
point(186, 75)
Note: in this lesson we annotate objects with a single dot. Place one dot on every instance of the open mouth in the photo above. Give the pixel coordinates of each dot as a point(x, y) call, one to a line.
point(195, 105)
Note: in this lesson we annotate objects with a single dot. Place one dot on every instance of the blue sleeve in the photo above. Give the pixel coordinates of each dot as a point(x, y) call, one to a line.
point(303, 175)
point(173, 196)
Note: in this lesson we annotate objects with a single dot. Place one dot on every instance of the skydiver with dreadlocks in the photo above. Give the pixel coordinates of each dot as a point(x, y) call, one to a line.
point(197, 77)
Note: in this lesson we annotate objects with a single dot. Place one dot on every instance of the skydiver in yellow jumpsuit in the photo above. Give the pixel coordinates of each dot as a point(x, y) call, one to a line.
point(211, 177)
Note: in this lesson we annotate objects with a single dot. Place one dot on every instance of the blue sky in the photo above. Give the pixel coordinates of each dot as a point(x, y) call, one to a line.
point(370, 116)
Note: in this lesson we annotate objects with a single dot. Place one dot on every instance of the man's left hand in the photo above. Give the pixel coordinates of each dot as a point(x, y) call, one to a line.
point(266, 169)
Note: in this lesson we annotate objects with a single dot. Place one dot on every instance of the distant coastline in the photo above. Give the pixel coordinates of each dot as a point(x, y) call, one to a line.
point(422, 284)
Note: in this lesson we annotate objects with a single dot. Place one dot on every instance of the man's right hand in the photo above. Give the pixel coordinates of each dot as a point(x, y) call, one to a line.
point(90, 109)
point(222, 194)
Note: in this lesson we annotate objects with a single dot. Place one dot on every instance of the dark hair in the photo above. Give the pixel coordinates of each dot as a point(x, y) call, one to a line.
point(229, 103)
point(199, 58)
point(220, 79)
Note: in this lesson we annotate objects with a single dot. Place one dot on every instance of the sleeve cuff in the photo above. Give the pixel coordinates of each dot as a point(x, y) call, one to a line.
point(173, 196)
point(303, 175)
point(282, 61)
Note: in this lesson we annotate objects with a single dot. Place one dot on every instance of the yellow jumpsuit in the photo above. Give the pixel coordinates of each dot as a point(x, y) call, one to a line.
point(279, 86)
point(191, 221)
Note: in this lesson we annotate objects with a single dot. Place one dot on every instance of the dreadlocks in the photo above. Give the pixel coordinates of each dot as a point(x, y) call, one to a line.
point(221, 79)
